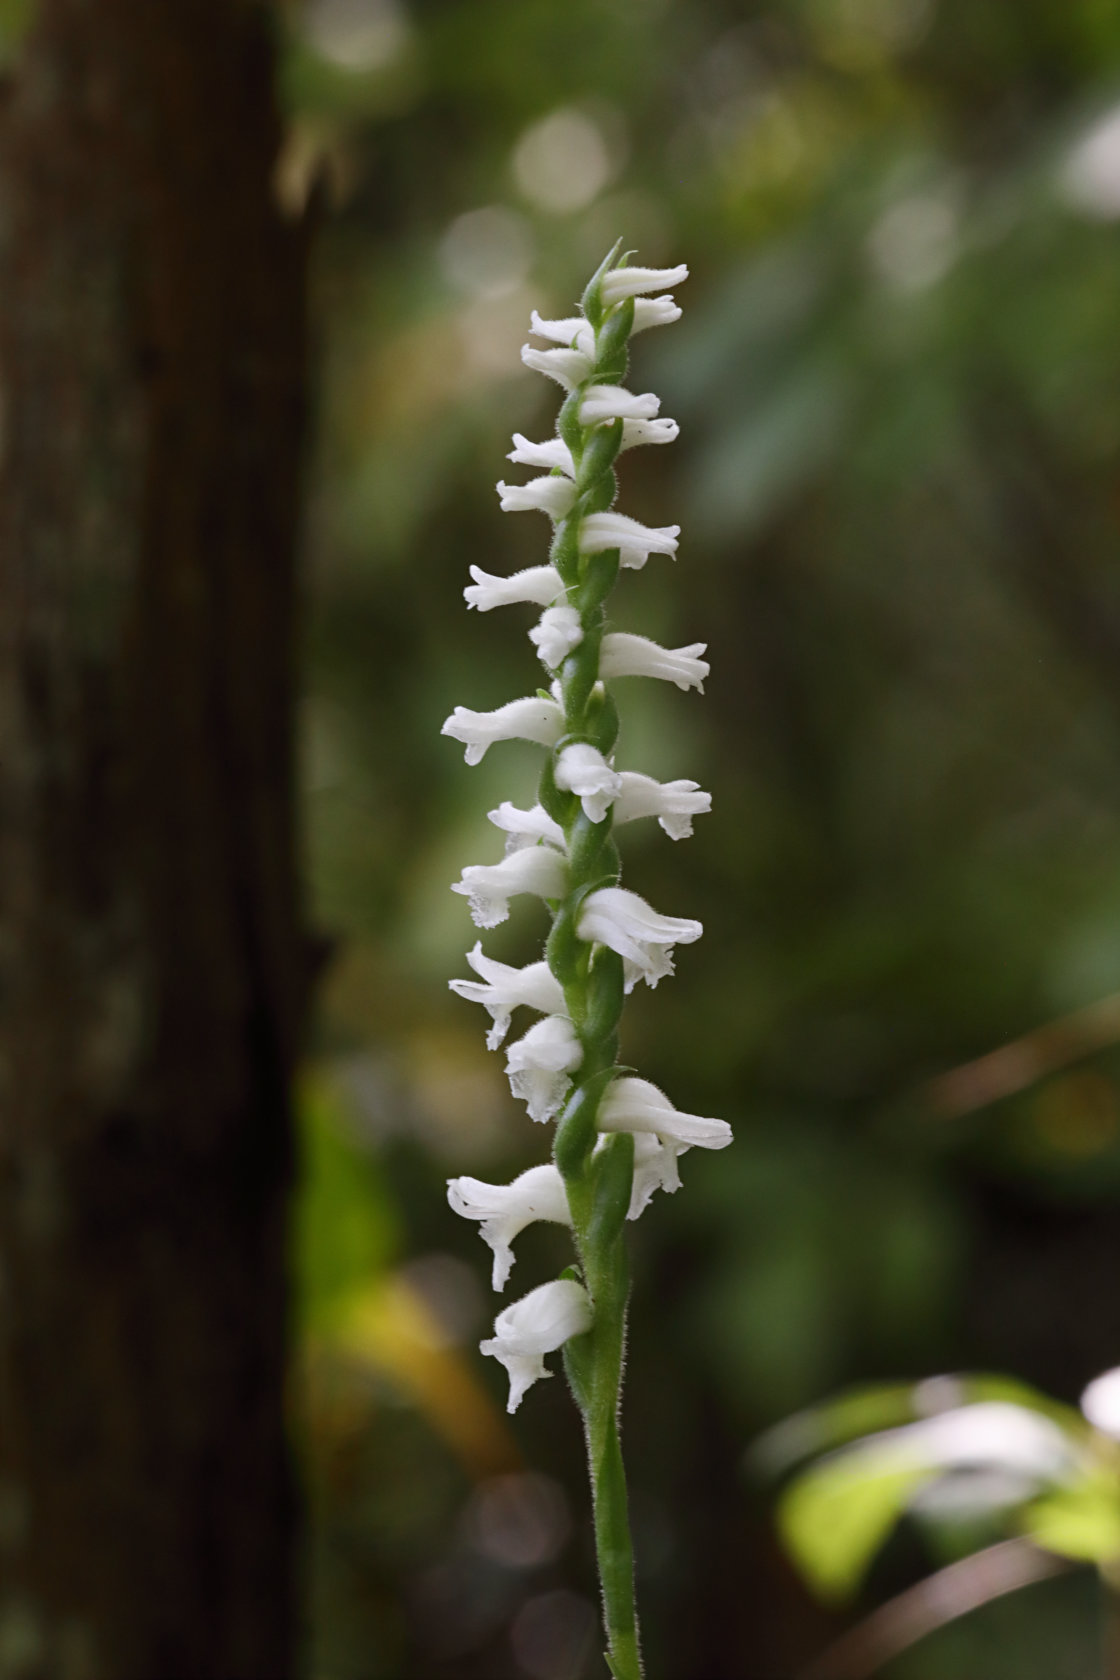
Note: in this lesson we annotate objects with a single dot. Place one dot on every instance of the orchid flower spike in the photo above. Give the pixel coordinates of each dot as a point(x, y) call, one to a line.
point(618, 1138)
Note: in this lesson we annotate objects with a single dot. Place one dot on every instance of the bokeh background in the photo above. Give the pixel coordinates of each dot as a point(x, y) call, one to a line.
point(898, 382)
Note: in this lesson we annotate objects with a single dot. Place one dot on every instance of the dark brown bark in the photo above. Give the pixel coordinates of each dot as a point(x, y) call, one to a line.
point(151, 368)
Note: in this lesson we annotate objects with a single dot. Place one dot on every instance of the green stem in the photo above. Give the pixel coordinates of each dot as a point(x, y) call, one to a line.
point(598, 1180)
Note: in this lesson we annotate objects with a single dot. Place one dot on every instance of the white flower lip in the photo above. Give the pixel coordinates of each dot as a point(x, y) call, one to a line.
point(525, 828)
point(504, 1210)
point(503, 989)
point(539, 585)
point(489, 886)
point(634, 541)
point(539, 1064)
point(539, 1323)
point(636, 656)
point(558, 632)
point(643, 938)
point(611, 402)
point(550, 495)
point(636, 1105)
point(674, 804)
point(581, 769)
point(531, 719)
point(554, 452)
point(621, 283)
point(567, 367)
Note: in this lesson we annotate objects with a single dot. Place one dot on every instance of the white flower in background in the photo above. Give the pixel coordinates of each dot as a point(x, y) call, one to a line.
point(674, 804)
point(634, 1105)
point(1101, 1403)
point(539, 1065)
point(504, 1210)
point(553, 453)
point(567, 367)
point(558, 632)
point(540, 870)
point(526, 828)
point(635, 541)
point(629, 282)
point(981, 1456)
point(581, 769)
point(538, 585)
point(643, 939)
point(611, 402)
point(573, 330)
point(539, 1323)
point(635, 432)
point(636, 656)
point(503, 989)
point(550, 495)
point(531, 719)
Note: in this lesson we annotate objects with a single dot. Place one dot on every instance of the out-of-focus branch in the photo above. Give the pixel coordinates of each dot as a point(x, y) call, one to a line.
point(941, 1598)
point(1016, 1066)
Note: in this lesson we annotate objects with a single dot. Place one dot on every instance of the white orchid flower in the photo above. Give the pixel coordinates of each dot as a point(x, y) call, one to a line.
point(581, 769)
point(504, 1210)
point(550, 495)
point(643, 939)
point(538, 1324)
point(557, 633)
point(625, 655)
point(655, 312)
point(573, 330)
point(622, 283)
point(552, 453)
point(636, 1105)
point(526, 828)
point(635, 432)
point(531, 719)
point(568, 367)
point(537, 584)
point(503, 989)
point(610, 402)
point(539, 1065)
point(674, 804)
point(540, 870)
point(635, 541)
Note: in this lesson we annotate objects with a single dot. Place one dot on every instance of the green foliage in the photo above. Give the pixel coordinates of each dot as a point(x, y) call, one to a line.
point(1080, 1521)
point(346, 1227)
point(835, 1518)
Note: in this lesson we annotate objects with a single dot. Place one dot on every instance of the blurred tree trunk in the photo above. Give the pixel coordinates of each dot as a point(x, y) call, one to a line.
point(151, 370)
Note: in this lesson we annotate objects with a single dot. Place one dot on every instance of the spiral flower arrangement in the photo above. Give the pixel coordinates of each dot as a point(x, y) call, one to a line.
point(618, 1138)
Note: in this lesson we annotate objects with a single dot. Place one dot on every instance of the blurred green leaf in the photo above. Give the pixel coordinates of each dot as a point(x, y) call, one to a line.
point(1079, 1521)
point(836, 1516)
point(346, 1228)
